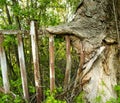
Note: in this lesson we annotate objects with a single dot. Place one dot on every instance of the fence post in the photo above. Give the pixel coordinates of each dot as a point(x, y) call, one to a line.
point(37, 77)
point(22, 67)
point(68, 63)
point(4, 66)
point(51, 57)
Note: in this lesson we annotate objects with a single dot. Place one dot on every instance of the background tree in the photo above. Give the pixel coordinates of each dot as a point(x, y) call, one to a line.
point(17, 14)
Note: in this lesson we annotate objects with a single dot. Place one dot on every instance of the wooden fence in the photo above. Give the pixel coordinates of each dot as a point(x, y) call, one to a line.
point(37, 77)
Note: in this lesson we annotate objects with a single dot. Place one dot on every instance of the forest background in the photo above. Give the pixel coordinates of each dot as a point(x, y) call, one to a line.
point(17, 15)
point(94, 28)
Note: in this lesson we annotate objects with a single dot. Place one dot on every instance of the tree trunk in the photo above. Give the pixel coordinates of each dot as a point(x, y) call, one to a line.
point(68, 63)
point(93, 35)
point(51, 63)
point(37, 76)
point(4, 68)
point(23, 68)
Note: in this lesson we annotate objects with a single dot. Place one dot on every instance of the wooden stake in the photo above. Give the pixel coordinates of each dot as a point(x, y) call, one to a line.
point(51, 56)
point(22, 67)
point(4, 66)
point(37, 77)
point(68, 63)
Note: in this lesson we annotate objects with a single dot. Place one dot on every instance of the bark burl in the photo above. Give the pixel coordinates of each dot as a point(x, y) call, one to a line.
point(95, 36)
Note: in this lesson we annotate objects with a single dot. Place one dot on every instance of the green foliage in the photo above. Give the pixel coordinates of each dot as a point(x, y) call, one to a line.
point(50, 97)
point(16, 86)
point(16, 9)
point(80, 98)
point(8, 98)
point(9, 27)
point(56, 91)
point(98, 99)
point(31, 89)
point(112, 100)
point(60, 60)
point(46, 12)
point(117, 89)
point(9, 41)
point(2, 2)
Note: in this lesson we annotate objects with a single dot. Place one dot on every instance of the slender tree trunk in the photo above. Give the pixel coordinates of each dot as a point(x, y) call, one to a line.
point(68, 63)
point(8, 14)
point(4, 66)
point(23, 67)
point(35, 55)
point(51, 56)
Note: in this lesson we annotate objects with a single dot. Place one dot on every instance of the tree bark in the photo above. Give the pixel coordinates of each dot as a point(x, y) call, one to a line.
point(35, 55)
point(4, 68)
point(51, 60)
point(68, 63)
point(23, 68)
point(94, 26)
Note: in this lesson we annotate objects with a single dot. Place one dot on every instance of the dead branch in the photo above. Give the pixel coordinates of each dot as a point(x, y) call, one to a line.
point(41, 31)
point(89, 64)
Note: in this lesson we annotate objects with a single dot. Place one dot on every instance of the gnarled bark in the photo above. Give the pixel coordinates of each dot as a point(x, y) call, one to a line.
point(94, 26)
